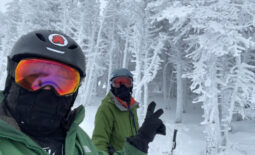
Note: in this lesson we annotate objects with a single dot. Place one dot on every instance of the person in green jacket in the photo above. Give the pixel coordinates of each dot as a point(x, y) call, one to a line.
point(45, 69)
point(116, 118)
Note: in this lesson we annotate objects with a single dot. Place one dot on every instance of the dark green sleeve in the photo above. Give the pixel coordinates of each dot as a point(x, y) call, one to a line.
point(127, 149)
point(103, 128)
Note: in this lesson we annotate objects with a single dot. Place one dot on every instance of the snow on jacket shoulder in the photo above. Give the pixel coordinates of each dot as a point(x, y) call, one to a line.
point(15, 142)
point(113, 124)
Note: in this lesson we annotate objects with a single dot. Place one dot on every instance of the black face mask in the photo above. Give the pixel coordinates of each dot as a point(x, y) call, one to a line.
point(38, 113)
point(122, 92)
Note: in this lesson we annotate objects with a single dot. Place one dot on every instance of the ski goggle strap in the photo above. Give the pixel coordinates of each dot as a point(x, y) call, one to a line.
point(122, 80)
point(33, 74)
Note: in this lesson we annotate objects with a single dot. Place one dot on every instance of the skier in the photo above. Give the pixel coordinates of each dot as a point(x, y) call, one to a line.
point(116, 118)
point(45, 69)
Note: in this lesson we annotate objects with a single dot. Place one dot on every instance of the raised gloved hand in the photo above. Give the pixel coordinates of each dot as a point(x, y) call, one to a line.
point(151, 126)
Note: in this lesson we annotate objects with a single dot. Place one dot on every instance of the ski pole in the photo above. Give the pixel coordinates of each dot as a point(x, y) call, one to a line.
point(174, 142)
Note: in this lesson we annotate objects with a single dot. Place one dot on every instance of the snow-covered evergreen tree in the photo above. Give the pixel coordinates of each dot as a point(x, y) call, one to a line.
point(145, 45)
point(213, 31)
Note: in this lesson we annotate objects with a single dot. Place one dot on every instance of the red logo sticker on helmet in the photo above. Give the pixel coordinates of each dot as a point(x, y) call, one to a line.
point(58, 40)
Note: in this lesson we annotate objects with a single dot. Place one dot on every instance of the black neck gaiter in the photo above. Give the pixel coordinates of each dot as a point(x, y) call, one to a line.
point(38, 113)
point(122, 92)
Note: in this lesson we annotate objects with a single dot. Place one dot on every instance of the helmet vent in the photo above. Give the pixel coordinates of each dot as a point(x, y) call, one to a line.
point(73, 46)
point(41, 37)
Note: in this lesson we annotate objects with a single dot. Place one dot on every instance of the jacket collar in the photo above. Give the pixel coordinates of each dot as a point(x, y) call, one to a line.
point(6, 116)
point(122, 105)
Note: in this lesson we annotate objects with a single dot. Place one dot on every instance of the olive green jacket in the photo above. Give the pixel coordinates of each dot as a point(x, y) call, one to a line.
point(77, 142)
point(113, 124)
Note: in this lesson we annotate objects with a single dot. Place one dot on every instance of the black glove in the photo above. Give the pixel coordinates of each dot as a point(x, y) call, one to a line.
point(152, 125)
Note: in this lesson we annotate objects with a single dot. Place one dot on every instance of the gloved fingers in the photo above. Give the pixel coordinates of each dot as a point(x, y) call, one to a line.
point(158, 113)
point(151, 108)
point(162, 129)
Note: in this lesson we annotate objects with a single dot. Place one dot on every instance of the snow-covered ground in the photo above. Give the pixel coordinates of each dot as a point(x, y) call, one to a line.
point(190, 138)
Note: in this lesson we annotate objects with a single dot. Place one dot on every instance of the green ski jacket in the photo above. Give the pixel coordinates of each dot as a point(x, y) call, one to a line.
point(77, 142)
point(114, 123)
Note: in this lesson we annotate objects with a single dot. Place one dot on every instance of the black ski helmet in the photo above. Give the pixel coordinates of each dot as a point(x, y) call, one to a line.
point(49, 44)
point(121, 72)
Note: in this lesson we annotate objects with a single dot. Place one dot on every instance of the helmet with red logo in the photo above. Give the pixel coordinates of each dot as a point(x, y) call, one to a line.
point(49, 44)
point(121, 72)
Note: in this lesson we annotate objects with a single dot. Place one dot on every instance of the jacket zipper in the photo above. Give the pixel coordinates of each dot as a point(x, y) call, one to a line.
point(132, 119)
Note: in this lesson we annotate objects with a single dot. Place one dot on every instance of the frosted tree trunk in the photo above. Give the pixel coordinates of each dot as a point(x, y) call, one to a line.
point(223, 127)
point(125, 61)
point(233, 97)
point(90, 67)
point(185, 95)
point(171, 84)
point(137, 76)
point(211, 107)
point(227, 114)
point(91, 79)
point(110, 63)
point(165, 91)
point(179, 102)
point(139, 49)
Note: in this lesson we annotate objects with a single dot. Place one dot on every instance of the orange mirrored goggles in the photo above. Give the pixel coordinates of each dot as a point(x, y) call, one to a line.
point(122, 80)
point(34, 74)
